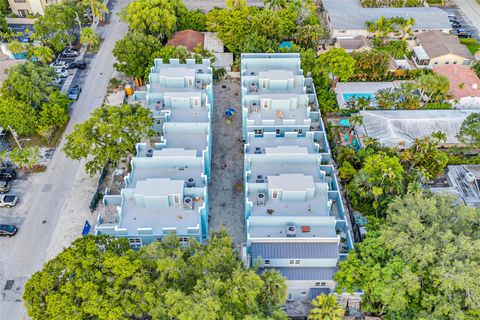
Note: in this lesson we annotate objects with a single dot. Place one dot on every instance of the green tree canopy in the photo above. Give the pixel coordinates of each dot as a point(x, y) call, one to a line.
point(108, 135)
point(18, 115)
point(135, 53)
point(57, 26)
point(433, 87)
point(326, 307)
point(381, 177)
point(29, 82)
point(101, 278)
point(371, 65)
point(336, 62)
point(154, 17)
point(422, 263)
point(469, 132)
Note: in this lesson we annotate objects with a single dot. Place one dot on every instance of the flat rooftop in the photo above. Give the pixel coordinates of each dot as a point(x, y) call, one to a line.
point(276, 227)
point(271, 141)
point(316, 207)
point(174, 172)
point(135, 216)
point(193, 140)
point(275, 168)
point(350, 15)
point(298, 114)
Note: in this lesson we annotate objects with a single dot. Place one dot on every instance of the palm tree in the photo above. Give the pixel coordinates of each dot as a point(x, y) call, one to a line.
point(326, 308)
point(275, 4)
point(236, 4)
point(356, 120)
point(440, 136)
point(97, 7)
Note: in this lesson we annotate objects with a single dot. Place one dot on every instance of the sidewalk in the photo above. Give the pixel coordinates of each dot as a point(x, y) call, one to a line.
point(71, 221)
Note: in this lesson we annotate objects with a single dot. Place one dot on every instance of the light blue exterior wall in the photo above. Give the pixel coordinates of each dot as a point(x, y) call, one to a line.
point(180, 96)
point(271, 131)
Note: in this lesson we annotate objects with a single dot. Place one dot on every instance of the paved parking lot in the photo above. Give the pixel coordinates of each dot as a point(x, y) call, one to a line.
point(465, 22)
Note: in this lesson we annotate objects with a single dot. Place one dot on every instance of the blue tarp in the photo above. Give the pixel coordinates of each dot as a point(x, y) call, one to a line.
point(86, 228)
point(285, 44)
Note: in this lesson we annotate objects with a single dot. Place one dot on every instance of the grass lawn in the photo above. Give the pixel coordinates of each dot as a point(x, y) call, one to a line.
point(472, 44)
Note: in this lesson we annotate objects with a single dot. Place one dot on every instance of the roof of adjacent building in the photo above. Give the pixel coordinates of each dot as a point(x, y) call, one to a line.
point(356, 43)
point(5, 64)
point(286, 250)
point(305, 273)
point(392, 127)
point(187, 38)
point(350, 15)
point(437, 44)
point(463, 80)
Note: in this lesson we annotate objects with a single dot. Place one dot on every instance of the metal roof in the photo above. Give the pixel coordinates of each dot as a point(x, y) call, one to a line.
point(350, 15)
point(315, 292)
point(305, 273)
point(294, 250)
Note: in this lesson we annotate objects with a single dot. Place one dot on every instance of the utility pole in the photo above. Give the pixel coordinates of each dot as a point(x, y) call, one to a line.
point(15, 136)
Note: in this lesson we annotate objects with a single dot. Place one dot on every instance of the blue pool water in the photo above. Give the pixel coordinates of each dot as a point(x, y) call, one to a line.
point(347, 96)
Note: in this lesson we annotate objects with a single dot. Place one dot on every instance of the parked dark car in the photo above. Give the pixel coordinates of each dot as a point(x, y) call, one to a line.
point(8, 230)
point(7, 173)
point(77, 65)
point(452, 18)
point(4, 186)
point(462, 33)
point(74, 92)
point(456, 24)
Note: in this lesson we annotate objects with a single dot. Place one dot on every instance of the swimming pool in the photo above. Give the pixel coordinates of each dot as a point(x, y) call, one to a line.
point(347, 96)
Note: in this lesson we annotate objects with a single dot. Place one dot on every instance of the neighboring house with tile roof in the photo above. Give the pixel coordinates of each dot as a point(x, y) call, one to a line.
point(436, 48)
point(464, 85)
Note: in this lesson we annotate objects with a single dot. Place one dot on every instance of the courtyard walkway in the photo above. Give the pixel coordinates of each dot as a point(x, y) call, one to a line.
point(226, 196)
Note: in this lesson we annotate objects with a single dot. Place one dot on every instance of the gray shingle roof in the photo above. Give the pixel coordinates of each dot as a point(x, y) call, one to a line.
point(305, 273)
point(350, 15)
point(294, 250)
point(437, 44)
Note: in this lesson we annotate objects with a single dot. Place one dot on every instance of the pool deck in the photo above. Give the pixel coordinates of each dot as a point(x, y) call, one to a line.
point(363, 88)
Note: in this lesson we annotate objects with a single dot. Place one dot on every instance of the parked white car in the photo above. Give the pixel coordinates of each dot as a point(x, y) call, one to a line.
point(58, 65)
point(62, 73)
point(8, 200)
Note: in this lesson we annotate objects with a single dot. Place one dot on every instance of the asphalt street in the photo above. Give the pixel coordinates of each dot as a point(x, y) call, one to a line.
point(45, 195)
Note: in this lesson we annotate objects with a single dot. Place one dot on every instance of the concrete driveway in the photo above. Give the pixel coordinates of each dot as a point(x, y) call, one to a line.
point(46, 193)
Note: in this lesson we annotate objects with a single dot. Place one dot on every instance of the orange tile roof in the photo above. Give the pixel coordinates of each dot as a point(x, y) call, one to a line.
point(458, 75)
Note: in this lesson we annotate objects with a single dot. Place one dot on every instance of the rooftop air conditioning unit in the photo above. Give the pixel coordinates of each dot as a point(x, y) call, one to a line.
point(258, 150)
point(469, 177)
point(261, 197)
point(291, 231)
point(260, 179)
point(199, 83)
point(149, 153)
point(188, 202)
point(190, 183)
point(159, 105)
point(200, 71)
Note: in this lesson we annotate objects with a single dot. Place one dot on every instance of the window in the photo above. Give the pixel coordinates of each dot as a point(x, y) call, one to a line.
point(454, 62)
point(277, 131)
point(275, 194)
point(135, 242)
point(264, 84)
point(447, 62)
point(190, 82)
point(258, 132)
point(317, 284)
point(267, 261)
point(183, 239)
point(265, 104)
point(466, 62)
point(436, 62)
point(297, 261)
point(291, 262)
point(304, 293)
point(176, 198)
point(323, 284)
point(196, 102)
